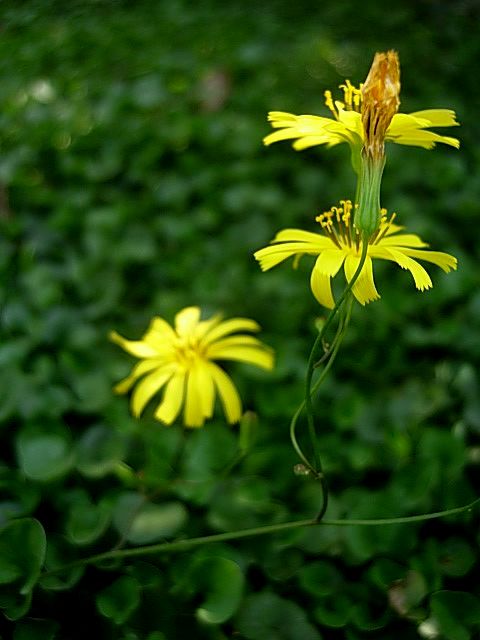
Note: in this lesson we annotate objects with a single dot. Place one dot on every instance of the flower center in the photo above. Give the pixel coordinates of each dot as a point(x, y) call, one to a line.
point(187, 351)
point(337, 224)
point(352, 99)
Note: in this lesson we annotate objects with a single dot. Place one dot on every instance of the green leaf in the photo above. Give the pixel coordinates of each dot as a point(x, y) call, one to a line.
point(14, 604)
point(119, 600)
point(243, 503)
point(334, 611)
point(60, 553)
point(44, 456)
point(207, 451)
point(320, 578)
point(22, 552)
point(30, 629)
point(456, 557)
point(384, 571)
point(147, 575)
point(455, 612)
point(142, 522)
point(86, 522)
point(267, 616)
point(99, 451)
point(221, 581)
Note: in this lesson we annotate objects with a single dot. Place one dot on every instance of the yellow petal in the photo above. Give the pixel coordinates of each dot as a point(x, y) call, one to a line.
point(402, 240)
point(420, 276)
point(168, 410)
point(187, 320)
point(437, 117)
point(278, 136)
point(269, 257)
point(445, 261)
point(137, 348)
point(328, 138)
point(281, 116)
point(352, 120)
point(392, 228)
point(139, 370)
point(402, 122)
point(316, 240)
point(148, 387)
point(425, 139)
point(161, 326)
point(230, 326)
point(228, 393)
point(329, 262)
point(206, 388)
point(309, 130)
point(193, 414)
point(205, 326)
point(364, 288)
point(237, 340)
point(322, 289)
point(261, 357)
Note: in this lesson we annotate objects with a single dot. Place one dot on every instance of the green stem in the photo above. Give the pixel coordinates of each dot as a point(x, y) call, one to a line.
point(331, 355)
point(189, 543)
point(316, 467)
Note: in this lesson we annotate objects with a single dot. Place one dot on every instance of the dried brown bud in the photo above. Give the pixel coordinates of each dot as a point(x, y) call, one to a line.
point(380, 100)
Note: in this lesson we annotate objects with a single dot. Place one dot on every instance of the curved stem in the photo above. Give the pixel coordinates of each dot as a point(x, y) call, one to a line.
point(316, 466)
point(329, 355)
point(189, 543)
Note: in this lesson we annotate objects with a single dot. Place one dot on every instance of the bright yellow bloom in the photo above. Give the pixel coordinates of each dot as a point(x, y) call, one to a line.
point(181, 360)
point(341, 244)
point(346, 125)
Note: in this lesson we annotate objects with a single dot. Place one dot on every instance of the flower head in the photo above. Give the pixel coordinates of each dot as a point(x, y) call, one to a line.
point(340, 243)
point(346, 124)
point(181, 359)
point(380, 101)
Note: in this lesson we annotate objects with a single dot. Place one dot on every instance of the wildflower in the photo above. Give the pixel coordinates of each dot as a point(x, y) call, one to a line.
point(180, 359)
point(380, 94)
point(380, 100)
point(346, 125)
point(340, 243)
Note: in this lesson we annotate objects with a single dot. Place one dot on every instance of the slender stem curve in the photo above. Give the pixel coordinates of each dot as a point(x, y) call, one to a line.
point(189, 543)
point(316, 467)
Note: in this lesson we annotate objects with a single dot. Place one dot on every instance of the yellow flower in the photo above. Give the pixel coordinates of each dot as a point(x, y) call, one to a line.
point(346, 125)
point(181, 360)
point(341, 244)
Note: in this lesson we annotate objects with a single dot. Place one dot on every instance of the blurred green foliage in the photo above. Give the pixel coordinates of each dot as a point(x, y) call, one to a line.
point(133, 182)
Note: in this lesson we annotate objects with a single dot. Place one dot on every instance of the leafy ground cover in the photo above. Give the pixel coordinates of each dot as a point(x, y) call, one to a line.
point(133, 183)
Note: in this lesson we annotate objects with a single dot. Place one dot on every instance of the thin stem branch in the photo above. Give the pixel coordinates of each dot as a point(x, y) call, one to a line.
point(189, 543)
point(316, 466)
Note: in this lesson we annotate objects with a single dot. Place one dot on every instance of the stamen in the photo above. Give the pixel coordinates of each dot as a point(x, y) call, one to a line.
point(385, 225)
point(329, 103)
point(351, 96)
point(336, 224)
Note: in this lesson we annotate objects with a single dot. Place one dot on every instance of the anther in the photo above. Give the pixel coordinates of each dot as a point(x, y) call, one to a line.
point(329, 102)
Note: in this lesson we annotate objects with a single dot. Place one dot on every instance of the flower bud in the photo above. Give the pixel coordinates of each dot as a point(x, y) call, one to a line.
point(380, 100)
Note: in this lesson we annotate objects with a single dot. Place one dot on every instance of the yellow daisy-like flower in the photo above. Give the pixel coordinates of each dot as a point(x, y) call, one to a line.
point(180, 359)
point(346, 125)
point(341, 244)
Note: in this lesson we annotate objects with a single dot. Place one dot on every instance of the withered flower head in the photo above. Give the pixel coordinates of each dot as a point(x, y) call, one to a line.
point(380, 100)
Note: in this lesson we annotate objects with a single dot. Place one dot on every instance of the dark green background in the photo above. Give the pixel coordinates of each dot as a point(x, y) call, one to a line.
point(133, 182)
